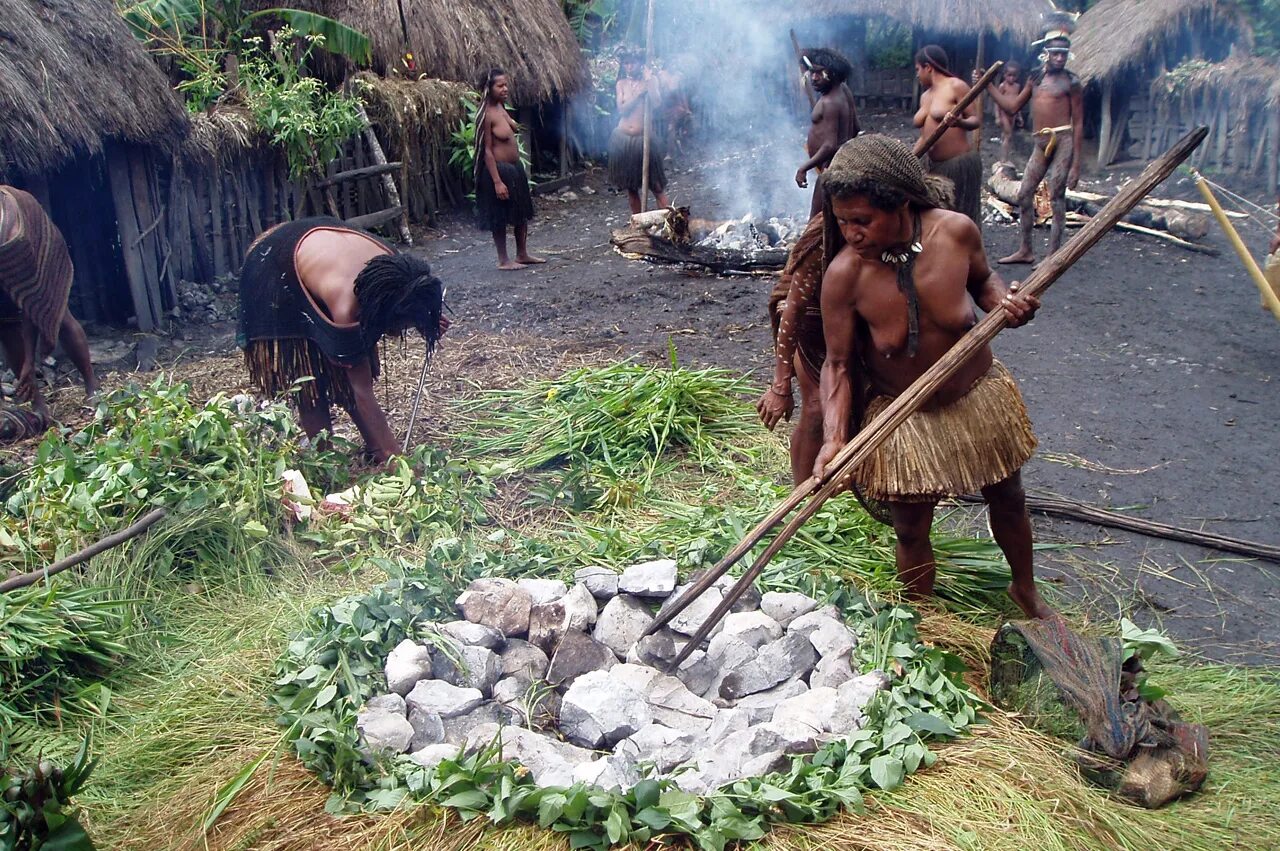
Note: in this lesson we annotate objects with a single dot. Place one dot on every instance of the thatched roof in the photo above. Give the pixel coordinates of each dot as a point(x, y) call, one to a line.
point(461, 39)
point(71, 77)
point(1017, 18)
point(1118, 35)
point(1251, 81)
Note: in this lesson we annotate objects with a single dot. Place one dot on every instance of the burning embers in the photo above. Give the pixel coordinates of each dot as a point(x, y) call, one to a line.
point(750, 234)
point(748, 244)
point(560, 676)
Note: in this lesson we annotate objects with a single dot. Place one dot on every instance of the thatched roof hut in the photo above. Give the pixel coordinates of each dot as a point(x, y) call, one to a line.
point(1117, 36)
point(1020, 19)
point(461, 39)
point(72, 76)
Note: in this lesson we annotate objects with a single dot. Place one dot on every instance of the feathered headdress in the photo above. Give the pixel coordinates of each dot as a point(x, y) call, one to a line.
point(1057, 25)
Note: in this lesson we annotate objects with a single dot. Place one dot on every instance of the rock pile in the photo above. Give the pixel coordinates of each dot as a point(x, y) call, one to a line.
point(535, 660)
point(751, 234)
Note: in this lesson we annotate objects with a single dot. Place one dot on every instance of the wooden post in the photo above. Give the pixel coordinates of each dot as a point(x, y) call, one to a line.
point(1105, 131)
point(648, 109)
point(564, 138)
point(388, 182)
point(129, 231)
point(976, 140)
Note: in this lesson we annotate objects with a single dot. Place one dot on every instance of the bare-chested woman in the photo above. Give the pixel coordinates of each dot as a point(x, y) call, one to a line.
point(503, 198)
point(636, 85)
point(951, 156)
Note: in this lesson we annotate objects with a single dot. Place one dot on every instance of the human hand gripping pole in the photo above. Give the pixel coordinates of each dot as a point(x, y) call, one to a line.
point(836, 475)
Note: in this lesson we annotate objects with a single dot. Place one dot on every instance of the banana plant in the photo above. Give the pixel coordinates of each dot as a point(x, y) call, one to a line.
point(228, 21)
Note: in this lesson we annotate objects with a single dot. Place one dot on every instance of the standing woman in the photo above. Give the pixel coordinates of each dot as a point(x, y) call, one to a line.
point(503, 198)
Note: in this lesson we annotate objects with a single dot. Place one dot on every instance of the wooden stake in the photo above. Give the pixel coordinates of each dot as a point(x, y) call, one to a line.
point(648, 109)
point(975, 141)
point(113, 540)
point(1269, 297)
point(836, 477)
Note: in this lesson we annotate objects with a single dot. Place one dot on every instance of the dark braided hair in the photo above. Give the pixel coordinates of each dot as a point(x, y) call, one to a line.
point(837, 66)
point(397, 292)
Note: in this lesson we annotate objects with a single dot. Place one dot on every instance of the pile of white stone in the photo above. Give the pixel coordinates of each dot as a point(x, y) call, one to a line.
point(750, 233)
point(561, 677)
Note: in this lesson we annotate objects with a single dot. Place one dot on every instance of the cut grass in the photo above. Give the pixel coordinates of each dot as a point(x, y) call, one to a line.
point(191, 711)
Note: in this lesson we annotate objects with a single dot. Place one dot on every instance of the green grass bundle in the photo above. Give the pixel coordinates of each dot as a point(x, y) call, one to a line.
point(56, 641)
point(615, 422)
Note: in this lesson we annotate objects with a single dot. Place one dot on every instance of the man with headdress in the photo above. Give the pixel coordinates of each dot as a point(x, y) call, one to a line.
point(833, 120)
point(903, 276)
point(636, 86)
point(1057, 114)
point(951, 156)
point(503, 198)
point(316, 296)
point(35, 282)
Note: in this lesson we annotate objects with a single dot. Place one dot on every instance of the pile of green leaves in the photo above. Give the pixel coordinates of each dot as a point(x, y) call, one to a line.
point(35, 805)
point(56, 640)
point(611, 428)
point(328, 673)
point(153, 447)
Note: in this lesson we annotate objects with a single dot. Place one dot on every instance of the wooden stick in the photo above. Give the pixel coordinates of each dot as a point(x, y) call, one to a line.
point(975, 139)
point(1080, 218)
point(869, 438)
point(922, 147)
point(113, 540)
point(804, 83)
point(1269, 297)
point(648, 109)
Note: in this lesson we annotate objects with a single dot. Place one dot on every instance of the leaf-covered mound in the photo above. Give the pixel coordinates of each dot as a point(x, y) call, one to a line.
point(327, 674)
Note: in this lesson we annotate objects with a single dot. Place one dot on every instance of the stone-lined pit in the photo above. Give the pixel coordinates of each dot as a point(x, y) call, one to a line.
point(563, 674)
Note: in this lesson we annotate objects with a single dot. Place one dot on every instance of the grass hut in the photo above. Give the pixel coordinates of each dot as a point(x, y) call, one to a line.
point(86, 123)
point(458, 40)
point(1122, 45)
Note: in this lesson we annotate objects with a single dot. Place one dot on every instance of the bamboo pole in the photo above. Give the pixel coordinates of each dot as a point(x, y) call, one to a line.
point(1269, 297)
point(836, 477)
point(648, 109)
point(922, 147)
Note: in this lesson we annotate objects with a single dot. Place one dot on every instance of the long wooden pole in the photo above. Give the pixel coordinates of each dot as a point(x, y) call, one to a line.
point(922, 146)
point(113, 540)
point(976, 138)
point(835, 477)
point(1250, 265)
point(648, 108)
point(804, 81)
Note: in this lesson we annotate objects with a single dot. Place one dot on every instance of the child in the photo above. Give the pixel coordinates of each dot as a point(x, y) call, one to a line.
point(1010, 84)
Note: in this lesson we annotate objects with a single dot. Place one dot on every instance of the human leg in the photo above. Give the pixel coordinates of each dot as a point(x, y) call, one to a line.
point(912, 523)
point(1056, 180)
point(11, 341)
point(806, 437)
point(523, 256)
point(1036, 166)
point(500, 245)
point(1011, 526)
point(661, 196)
point(74, 342)
point(633, 198)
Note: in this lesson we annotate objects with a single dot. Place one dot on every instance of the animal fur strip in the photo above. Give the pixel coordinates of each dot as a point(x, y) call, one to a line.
point(35, 267)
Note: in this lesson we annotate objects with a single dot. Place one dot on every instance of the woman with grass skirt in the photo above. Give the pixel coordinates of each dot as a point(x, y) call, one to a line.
point(503, 197)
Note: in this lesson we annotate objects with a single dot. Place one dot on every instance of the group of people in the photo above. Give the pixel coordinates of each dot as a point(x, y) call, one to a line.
point(889, 274)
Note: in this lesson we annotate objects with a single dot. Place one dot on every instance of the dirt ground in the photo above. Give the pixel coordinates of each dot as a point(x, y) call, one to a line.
point(1148, 374)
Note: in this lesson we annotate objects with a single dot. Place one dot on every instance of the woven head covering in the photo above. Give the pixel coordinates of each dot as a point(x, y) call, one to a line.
point(874, 159)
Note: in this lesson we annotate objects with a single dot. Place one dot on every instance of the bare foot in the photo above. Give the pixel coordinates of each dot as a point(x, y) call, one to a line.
point(1018, 257)
point(509, 266)
point(1030, 602)
point(529, 259)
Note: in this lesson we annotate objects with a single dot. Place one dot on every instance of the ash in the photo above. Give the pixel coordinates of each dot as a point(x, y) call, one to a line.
point(749, 233)
point(560, 677)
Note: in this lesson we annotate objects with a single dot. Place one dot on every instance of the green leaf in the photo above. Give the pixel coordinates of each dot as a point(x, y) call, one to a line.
point(69, 836)
point(617, 825)
point(338, 38)
point(896, 734)
point(923, 722)
point(654, 818)
point(886, 772)
point(1146, 643)
point(470, 799)
point(647, 793)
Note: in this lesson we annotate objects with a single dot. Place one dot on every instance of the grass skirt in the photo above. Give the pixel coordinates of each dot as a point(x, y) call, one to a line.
point(626, 162)
point(965, 171)
point(982, 438)
point(494, 214)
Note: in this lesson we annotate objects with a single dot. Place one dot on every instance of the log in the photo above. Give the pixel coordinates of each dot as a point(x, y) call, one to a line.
point(866, 441)
point(388, 183)
point(1185, 223)
point(113, 540)
point(129, 231)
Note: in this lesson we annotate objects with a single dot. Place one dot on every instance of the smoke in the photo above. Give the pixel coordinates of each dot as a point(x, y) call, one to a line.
point(741, 74)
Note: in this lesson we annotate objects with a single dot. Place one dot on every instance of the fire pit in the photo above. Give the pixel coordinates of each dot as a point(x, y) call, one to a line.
point(745, 245)
point(558, 679)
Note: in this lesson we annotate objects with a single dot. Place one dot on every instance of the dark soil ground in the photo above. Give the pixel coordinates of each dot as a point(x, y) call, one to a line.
point(1151, 375)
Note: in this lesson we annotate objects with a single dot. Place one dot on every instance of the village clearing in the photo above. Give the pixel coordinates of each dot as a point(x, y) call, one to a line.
point(1147, 377)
